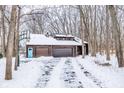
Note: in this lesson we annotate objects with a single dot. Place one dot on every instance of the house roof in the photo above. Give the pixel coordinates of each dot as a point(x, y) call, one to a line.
point(39, 39)
point(57, 35)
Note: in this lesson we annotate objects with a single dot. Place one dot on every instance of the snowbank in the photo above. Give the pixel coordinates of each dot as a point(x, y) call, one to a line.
point(25, 77)
point(111, 76)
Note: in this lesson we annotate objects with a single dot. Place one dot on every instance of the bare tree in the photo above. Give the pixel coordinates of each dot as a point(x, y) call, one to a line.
point(117, 35)
point(107, 34)
point(2, 9)
point(94, 33)
point(12, 28)
point(81, 29)
point(101, 32)
point(17, 39)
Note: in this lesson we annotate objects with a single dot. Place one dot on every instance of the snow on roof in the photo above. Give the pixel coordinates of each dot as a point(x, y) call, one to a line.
point(79, 40)
point(57, 35)
point(39, 39)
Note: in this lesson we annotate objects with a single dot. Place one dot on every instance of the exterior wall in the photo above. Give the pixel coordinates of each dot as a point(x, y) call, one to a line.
point(79, 50)
point(35, 47)
point(75, 49)
point(87, 49)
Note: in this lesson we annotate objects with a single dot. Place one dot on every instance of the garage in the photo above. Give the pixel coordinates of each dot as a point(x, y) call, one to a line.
point(41, 51)
point(62, 52)
point(56, 46)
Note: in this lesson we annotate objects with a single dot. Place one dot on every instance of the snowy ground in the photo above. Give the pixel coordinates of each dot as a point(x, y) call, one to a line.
point(69, 72)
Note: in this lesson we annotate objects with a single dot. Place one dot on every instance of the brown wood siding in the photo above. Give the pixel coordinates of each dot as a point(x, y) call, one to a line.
point(48, 50)
point(74, 51)
point(39, 50)
point(62, 46)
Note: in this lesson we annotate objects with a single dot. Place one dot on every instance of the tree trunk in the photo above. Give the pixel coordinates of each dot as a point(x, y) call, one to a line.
point(81, 29)
point(117, 35)
point(17, 40)
point(90, 30)
point(12, 27)
point(3, 29)
point(100, 44)
point(14, 50)
point(107, 35)
point(94, 36)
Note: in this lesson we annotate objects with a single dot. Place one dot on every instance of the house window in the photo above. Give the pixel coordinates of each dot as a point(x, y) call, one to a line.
point(64, 38)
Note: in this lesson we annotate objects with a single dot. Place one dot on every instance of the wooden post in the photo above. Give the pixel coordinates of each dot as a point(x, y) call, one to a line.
point(51, 49)
point(76, 50)
point(26, 51)
point(34, 50)
point(73, 51)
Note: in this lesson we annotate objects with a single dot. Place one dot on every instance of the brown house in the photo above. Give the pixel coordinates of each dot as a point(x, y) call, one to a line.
point(57, 46)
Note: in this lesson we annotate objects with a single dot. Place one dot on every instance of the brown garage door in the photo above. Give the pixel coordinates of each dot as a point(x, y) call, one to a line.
point(40, 51)
point(62, 52)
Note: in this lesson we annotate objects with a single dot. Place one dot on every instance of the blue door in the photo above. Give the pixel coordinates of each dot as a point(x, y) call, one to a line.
point(30, 52)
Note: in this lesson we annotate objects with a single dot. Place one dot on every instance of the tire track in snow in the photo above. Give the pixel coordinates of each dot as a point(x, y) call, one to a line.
point(70, 72)
point(69, 76)
point(46, 70)
point(87, 83)
point(55, 79)
point(90, 76)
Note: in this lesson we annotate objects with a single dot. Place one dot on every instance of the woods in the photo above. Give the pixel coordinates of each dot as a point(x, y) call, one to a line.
point(101, 26)
point(117, 35)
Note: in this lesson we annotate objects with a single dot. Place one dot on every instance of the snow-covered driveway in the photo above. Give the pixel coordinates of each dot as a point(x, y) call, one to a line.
point(66, 72)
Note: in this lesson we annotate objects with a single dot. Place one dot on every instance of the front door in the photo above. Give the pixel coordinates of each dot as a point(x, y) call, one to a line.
point(30, 52)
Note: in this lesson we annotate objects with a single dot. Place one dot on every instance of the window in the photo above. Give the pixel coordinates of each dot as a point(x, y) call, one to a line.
point(64, 38)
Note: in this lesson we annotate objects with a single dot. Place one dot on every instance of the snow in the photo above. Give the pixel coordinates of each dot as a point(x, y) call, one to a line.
point(88, 83)
point(60, 35)
point(64, 72)
point(55, 81)
point(25, 77)
point(40, 39)
point(112, 76)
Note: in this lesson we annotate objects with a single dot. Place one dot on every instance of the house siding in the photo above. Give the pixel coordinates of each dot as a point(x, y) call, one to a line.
point(50, 48)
